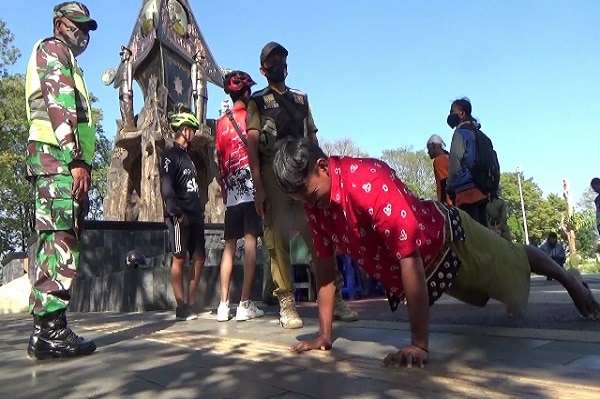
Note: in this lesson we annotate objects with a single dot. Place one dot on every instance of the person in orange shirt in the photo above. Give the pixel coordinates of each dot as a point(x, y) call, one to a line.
point(436, 149)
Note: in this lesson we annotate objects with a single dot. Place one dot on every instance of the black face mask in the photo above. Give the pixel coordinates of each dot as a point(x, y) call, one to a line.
point(453, 120)
point(277, 73)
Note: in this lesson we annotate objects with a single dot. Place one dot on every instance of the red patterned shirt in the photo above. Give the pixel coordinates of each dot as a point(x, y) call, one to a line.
point(377, 221)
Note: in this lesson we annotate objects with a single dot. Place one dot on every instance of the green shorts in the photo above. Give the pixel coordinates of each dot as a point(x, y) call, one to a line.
point(492, 267)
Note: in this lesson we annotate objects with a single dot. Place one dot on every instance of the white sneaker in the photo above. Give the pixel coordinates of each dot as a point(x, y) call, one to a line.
point(247, 310)
point(223, 311)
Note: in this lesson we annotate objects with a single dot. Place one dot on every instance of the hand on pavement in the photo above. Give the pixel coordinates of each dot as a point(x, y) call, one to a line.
point(408, 356)
point(320, 342)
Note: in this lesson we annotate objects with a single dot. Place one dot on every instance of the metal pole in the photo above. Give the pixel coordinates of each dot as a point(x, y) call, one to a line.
point(522, 205)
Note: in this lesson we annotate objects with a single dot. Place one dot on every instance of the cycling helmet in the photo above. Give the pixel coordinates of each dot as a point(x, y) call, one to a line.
point(237, 81)
point(182, 119)
point(135, 259)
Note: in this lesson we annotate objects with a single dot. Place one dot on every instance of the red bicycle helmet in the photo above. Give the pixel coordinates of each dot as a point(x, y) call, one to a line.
point(237, 81)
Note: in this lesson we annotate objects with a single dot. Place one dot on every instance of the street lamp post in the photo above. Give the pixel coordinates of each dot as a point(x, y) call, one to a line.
point(519, 172)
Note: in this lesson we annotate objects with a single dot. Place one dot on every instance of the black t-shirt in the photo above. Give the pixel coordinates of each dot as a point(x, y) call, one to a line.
point(179, 186)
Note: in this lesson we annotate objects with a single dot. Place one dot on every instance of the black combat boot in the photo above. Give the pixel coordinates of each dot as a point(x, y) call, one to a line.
point(51, 338)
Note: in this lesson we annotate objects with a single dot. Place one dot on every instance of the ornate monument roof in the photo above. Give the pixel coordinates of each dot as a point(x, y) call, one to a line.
point(171, 24)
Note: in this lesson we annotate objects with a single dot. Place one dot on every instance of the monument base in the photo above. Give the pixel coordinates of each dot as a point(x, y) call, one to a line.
point(104, 283)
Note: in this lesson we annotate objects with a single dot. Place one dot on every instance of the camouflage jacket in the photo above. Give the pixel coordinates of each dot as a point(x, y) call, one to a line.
point(55, 71)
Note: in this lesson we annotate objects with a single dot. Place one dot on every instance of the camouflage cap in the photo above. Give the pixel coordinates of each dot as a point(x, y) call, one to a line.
point(76, 12)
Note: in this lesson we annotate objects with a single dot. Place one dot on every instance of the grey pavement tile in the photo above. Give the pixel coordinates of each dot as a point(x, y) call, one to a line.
point(30, 382)
point(292, 395)
point(107, 386)
point(308, 360)
point(386, 337)
point(583, 348)
point(233, 387)
point(16, 351)
point(345, 348)
point(143, 355)
point(583, 375)
point(265, 372)
point(589, 362)
point(222, 381)
point(125, 388)
point(366, 378)
point(15, 370)
point(328, 381)
point(548, 363)
point(13, 343)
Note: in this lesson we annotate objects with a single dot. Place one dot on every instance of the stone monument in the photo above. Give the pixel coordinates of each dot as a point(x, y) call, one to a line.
point(169, 59)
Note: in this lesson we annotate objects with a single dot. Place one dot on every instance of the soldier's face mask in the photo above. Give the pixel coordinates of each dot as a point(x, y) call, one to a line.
point(77, 37)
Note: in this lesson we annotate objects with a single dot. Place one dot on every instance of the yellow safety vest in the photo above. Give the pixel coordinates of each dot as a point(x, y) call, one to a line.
point(40, 128)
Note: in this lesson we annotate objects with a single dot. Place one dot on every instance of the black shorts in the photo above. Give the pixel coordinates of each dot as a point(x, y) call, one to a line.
point(242, 219)
point(187, 236)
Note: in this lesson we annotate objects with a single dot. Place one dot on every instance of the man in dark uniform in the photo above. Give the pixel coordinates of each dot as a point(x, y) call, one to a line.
point(275, 113)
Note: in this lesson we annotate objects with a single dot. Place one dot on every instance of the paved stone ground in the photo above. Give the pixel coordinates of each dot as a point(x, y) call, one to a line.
point(474, 354)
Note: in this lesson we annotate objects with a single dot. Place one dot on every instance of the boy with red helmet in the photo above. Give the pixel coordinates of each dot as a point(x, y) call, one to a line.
point(241, 218)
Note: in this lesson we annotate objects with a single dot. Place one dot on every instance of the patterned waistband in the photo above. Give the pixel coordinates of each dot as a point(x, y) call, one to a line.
point(446, 266)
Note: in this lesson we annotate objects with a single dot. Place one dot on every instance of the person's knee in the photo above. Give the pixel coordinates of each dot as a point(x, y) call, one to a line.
point(199, 259)
point(250, 240)
point(178, 260)
point(250, 252)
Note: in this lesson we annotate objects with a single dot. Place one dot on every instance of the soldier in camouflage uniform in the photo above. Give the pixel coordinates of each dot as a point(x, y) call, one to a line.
point(59, 154)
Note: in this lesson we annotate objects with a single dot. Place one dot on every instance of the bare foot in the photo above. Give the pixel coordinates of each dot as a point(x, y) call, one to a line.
point(582, 296)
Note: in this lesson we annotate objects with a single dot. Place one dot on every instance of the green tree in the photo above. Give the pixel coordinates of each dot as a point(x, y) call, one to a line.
point(345, 147)
point(100, 164)
point(552, 212)
point(543, 215)
point(586, 236)
point(414, 168)
point(16, 204)
point(587, 199)
point(8, 53)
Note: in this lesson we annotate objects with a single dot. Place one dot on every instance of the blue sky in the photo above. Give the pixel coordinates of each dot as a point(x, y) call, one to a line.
point(384, 73)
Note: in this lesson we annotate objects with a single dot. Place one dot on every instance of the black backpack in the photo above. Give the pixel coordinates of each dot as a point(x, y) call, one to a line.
point(485, 169)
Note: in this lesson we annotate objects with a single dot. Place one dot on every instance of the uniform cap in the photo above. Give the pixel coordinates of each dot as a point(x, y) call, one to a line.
point(270, 48)
point(76, 12)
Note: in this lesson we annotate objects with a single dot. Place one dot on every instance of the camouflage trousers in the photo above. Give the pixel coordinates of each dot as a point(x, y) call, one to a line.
point(58, 224)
